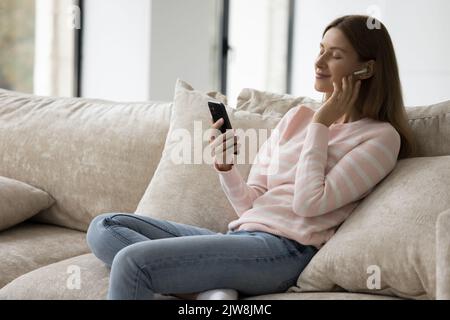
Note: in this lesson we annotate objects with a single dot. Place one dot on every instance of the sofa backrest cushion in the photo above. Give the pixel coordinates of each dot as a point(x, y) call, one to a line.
point(431, 127)
point(430, 124)
point(92, 156)
point(267, 103)
point(388, 244)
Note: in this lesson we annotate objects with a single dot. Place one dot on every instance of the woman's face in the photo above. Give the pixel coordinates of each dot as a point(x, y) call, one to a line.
point(336, 59)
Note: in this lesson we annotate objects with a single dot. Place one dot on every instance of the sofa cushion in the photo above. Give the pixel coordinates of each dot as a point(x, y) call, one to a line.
point(322, 296)
point(430, 124)
point(268, 103)
point(431, 127)
point(30, 245)
point(19, 201)
point(79, 278)
point(190, 192)
point(92, 156)
point(388, 245)
point(86, 278)
point(443, 256)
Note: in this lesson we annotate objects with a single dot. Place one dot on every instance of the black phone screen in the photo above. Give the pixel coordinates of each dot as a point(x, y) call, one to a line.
point(218, 111)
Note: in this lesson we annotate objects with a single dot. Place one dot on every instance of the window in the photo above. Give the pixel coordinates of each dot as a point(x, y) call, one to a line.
point(38, 46)
point(258, 46)
point(17, 18)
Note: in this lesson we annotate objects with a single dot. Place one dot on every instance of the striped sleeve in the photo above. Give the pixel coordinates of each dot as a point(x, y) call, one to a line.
point(352, 177)
point(242, 194)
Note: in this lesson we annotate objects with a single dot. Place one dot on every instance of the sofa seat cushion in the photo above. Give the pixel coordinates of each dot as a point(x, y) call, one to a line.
point(322, 296)
point(86, 278)
point(79, 278)
point(29, 246)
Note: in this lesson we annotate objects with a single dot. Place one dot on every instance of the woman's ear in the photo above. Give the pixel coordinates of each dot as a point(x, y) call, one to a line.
point(370, 65)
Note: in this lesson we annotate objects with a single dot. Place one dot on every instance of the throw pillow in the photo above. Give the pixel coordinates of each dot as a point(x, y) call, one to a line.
point(190, 192)
point(387, 246)
point(20, 201)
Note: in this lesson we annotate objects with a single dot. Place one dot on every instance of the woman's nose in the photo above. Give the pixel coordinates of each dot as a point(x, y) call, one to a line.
point(320, 62)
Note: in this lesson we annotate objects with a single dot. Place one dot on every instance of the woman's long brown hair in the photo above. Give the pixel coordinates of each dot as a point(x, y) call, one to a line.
point(380, 96)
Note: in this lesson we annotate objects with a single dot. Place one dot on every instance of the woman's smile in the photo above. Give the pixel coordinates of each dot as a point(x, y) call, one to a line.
point(321, 76)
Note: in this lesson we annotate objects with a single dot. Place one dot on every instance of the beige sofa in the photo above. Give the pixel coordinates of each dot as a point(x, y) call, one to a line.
point(95, 156)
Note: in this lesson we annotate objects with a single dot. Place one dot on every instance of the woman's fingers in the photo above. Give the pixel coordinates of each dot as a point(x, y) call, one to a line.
point(355, 92)
point(352, 85)
point(234, 150)
point(335, 94)
point(217, 124)
point(225, 145)
point(228, 144)
point(344, 86)
point(351, 90)
point(226, 155)
point(222, 138)
point(348, 88)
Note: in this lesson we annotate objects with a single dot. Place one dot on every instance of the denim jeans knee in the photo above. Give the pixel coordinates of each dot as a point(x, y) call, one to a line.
point(99, 239)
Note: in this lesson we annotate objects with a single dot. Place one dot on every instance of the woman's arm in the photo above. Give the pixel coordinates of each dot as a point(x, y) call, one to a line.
point(353, 176)
point(242, 194)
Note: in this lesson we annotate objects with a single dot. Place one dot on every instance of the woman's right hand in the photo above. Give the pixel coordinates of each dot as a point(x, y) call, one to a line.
point(224, 147)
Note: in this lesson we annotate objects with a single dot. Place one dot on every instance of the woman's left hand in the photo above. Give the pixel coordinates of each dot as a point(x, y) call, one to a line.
point(341, 101)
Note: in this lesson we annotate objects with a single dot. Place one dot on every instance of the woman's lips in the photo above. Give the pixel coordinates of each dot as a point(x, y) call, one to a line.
point(320, 76)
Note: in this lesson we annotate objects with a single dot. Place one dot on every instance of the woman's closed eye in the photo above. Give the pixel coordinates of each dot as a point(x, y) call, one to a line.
point(334, 56)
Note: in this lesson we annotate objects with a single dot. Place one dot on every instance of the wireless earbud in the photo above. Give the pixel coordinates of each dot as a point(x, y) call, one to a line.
point(362, 71)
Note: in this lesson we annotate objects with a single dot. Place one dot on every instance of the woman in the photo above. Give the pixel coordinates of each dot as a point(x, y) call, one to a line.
point(326, 162)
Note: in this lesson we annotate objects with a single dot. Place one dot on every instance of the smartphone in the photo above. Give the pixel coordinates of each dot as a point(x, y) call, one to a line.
point(218, 111)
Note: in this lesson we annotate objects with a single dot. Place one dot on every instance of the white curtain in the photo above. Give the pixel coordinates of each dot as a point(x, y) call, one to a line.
point(55, 58)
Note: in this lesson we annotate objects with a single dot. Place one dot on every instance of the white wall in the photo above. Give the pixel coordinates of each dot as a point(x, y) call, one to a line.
point(184, 44)
point(418, 29)
point(135, 50)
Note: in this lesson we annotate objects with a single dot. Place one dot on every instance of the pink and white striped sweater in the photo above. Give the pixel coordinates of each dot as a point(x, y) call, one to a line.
point(321, 175)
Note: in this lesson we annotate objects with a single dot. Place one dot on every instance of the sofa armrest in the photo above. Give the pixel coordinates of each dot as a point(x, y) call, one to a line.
point(443, 256)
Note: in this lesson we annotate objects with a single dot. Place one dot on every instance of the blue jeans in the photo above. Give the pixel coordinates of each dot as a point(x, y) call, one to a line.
point(148, 256)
